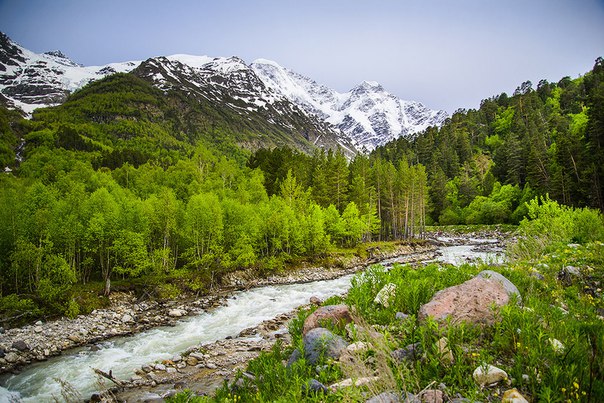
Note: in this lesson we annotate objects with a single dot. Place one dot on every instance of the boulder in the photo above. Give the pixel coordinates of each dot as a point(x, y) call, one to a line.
point(471, 301)
point(330, 314)
point(510, 288)
point(385, 295)
point(486, 375)
point(320, 342)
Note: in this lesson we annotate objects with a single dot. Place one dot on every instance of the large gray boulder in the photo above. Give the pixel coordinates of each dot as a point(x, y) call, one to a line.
point(320, 342)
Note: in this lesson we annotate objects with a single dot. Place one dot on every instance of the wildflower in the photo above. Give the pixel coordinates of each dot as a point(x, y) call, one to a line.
point(576, 385)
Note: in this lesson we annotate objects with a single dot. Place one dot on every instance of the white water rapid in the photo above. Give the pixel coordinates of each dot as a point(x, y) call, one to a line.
point(37, 382)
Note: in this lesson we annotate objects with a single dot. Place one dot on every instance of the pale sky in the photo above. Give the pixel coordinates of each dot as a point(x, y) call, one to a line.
point(447, 54)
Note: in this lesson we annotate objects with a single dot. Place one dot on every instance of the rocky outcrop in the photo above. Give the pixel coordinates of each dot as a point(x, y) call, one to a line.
point(471, 301)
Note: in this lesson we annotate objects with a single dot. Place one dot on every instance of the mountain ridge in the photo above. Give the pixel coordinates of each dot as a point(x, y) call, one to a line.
point(365, 117)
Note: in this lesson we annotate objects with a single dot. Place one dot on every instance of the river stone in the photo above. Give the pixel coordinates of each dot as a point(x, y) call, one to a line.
point(160, 367)
point(127, 318)
point(75, 338)
point(197, 355)
point(20, 345)
point(192, 361)
point(486, 375)
point(510, 288)
point(470, 302)
point(320, 342)
point(331, 314)
point(177, 313)
point(11, 357)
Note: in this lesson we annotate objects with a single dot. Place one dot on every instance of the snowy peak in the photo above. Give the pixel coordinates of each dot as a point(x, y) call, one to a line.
point(30, 80)
point(365, 117)
point(231, 85)
point(367, 114)
point(60, 58)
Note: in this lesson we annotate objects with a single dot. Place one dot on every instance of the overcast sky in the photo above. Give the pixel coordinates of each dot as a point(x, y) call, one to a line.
point(447, 54)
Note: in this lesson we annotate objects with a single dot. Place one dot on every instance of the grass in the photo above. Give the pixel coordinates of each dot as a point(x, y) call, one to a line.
point(524, 342)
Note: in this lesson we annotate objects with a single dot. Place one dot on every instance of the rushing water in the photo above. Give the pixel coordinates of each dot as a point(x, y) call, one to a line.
point(123, 355)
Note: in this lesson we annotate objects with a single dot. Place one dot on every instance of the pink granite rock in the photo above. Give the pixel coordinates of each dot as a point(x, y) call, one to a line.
point(327, 315)
point(470, 302)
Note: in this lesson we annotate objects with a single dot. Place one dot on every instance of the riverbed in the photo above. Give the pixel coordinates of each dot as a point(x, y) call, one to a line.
point(244, 309)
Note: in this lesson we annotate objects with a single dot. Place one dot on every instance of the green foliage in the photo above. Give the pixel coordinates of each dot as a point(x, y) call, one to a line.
point(548, 140)
point(550, 224)
point(550, 345)
point(414, 287)
point(16, 310)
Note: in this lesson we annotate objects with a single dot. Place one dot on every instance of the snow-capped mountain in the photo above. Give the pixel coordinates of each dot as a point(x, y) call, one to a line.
point(368, 114)
point(30, 80)
point(234, 85)
point(363, 118)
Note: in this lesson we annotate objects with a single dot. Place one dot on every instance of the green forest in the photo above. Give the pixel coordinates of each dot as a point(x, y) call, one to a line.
point(124, 182)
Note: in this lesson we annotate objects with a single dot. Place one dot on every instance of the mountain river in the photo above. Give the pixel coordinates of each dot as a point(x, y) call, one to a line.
point(38, 382)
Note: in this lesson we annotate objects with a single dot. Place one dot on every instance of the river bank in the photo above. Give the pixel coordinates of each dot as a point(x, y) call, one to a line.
point(204, 368)
point(20, 347)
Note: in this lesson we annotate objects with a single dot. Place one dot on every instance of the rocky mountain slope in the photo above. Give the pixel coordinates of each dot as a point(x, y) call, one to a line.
point(30, 80)
point(363, 118)
point(368, 114)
